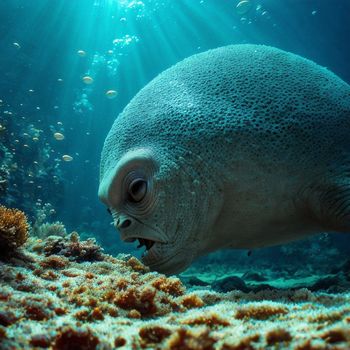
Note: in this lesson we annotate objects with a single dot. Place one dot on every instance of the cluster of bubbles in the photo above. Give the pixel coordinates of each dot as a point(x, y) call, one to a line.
point(125, 40)
point(248, 11)
point(82, 105)
point(112, 66)
point(134, 5)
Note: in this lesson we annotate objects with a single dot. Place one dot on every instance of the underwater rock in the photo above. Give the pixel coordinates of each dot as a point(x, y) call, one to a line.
point(253, 276)
point(327, 283)
point(228, 284)
point(263, 286)
point(343, 268)
point(194, 281)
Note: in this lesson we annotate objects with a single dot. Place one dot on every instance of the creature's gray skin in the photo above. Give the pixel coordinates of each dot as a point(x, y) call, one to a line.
point(243, 146)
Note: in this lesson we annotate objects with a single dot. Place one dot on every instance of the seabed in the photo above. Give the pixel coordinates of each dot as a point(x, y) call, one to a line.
point(61, 292)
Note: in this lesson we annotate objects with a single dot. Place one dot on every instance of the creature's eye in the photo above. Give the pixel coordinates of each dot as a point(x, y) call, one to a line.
point(137, 190)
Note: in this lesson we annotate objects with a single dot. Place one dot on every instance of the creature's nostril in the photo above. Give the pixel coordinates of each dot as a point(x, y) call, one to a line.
point(126, 223)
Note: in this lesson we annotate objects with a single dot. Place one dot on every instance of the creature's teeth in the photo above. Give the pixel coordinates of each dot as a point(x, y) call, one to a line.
point(141, 243)
point(145, 242)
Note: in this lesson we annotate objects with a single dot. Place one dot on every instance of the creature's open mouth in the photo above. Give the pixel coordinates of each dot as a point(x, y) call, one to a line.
point(145, 242)
point(148, 243)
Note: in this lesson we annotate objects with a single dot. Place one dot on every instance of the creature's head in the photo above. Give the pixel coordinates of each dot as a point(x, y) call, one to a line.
point(154, 200)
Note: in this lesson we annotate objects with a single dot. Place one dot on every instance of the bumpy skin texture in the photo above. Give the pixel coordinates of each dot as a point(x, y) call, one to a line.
point(242, 146)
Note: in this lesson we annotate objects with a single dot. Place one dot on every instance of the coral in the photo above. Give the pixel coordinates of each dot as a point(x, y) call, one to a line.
point(153, 334)
point(184, 339)
point(71, 338)
point(278, 335)
point(74, 249)
point(260, 311)
point(245, 343)
point(336, 335)
point(192, 301)
point(2, 333)
point(172, 286)
point(49, 229)
point(210, 320)
point(40, 340)
point(134, 314)
point(37, 312)
point(7, 318)
point(13, 229)
point(119, 341)
point(54, 262)
point(136, 265)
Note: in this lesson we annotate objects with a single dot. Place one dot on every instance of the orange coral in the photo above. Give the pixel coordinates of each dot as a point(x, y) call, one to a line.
point(191, 301)
point(40, 341)
point(54, 261)
point(260, 311)
point(243, 344)
point(7, 318)
point(89, 275)
point(134, 314)
point(127, 299)
point(82, 315)
point(37, 312)
point(153, 334)
point(49, 275)
point(13, 228)
point(184, 339)
point(72, 338)
point(97, 314)
point(278, 335)
point(2, 333)
point(137, 265)
point(119, 341)
point(210, 320)
point(336, 335)
point(172, 286)
point(60, 311)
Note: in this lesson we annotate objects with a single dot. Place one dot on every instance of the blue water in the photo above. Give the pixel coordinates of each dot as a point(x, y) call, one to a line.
point(126, 44)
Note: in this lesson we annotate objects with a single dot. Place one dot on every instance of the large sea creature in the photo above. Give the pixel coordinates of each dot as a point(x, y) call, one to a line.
point(243, 146)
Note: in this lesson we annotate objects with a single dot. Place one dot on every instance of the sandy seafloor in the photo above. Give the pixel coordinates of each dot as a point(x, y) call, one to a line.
point(65, 293)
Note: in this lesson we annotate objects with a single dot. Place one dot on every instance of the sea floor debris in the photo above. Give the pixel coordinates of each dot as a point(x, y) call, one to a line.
point(63, 293)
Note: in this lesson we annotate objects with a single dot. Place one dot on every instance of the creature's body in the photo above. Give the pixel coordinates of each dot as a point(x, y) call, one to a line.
point(243, 146)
